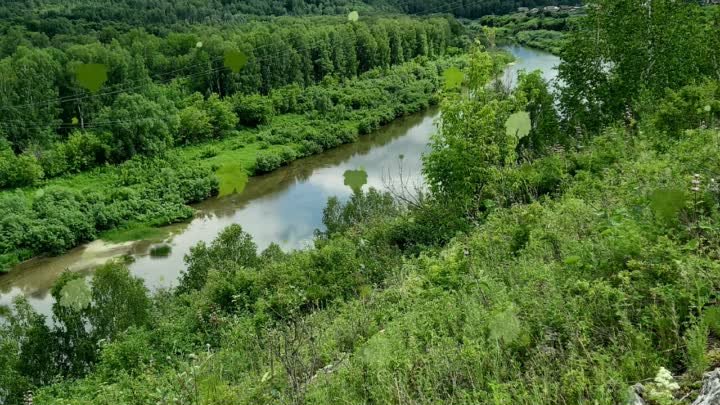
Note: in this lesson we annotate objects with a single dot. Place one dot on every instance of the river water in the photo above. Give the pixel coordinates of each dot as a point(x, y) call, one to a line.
point(284, 207)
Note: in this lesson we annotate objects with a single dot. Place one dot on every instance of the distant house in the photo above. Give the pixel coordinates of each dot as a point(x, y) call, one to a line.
point(523, 9)
point(534, 11)
point(551, 9)
point(708, 2)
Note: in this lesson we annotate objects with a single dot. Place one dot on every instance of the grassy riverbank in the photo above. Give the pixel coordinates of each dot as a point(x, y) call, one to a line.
point(543, 31)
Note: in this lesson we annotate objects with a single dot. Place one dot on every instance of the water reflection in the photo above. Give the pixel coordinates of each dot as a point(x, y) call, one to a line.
point(528, 59)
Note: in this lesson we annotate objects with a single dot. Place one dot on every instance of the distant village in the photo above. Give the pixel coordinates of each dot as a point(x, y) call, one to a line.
point(576, 9)
point(558, 9)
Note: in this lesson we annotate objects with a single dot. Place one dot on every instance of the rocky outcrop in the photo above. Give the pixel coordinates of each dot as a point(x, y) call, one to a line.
point(635, 395)
point(710, 393)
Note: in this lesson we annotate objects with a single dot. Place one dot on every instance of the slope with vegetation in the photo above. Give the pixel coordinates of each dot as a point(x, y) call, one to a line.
point(551, 263)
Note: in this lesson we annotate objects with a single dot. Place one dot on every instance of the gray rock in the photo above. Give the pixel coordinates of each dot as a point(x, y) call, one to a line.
point(635, 395)
point(710, 393)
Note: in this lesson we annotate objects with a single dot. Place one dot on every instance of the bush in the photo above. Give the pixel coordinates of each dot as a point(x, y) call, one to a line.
point(268, 161)
point(195, 126)
point(689, 107)
point(232, 248)
point(84, 150)
point(64, 220)
point(18, 171)
point(308, 148)
point(221, 114)
point(151, 192)
point(139, 126)
point(252, 110)
point(209, 152)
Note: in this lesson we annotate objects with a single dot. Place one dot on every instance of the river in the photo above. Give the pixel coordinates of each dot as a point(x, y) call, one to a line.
point(284, 206)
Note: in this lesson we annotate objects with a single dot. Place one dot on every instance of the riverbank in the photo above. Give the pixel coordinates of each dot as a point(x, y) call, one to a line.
point(126, 202)
point(542, 31)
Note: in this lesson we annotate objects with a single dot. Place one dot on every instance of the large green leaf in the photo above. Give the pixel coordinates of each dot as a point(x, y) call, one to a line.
point(91, 76)
point(235, 60)
point(518, 125)
point(75, 294)
point(454, 78)
point(355, 179)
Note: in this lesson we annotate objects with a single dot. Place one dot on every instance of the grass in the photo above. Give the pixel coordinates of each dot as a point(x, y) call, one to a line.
point(161, 251)
point(132, 232)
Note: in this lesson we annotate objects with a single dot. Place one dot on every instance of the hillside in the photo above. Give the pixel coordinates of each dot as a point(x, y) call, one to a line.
point(565, 250)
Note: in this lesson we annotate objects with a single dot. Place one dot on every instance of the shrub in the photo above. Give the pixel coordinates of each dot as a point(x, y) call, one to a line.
point(222, 116)
point(252, 110)
point(268, 161)
point(84, 150)
point(308, 148)
point(697, 344)
point(689, 107)
point(18, 171)
point(139, 126)
point(209, 152)
point(195, 126)
point(233, 247)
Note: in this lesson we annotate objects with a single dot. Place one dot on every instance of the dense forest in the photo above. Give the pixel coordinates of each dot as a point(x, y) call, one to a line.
point(164, 72)
point(565, 252)
point(56, 15)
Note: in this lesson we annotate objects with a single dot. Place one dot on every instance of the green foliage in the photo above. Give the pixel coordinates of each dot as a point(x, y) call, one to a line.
point(551, 41)
point(268, 161)
point(194, 124)
point(119, 301)
point(362, 207)
point(232, 249)
point(544, 121)
point(138, 126)
point(252, 110)
point(697, 345)
point(579, 290)
point(561, 267)
point(124, 202)
point(690, 107)
point(221, 115)
point(624, 51)
point(55, 218)
point(188, 86)
point(18, 171)
point(25, 127)
point(473, 140)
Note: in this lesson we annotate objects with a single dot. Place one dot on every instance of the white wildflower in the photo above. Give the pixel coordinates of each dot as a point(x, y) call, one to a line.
point(665, 380)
